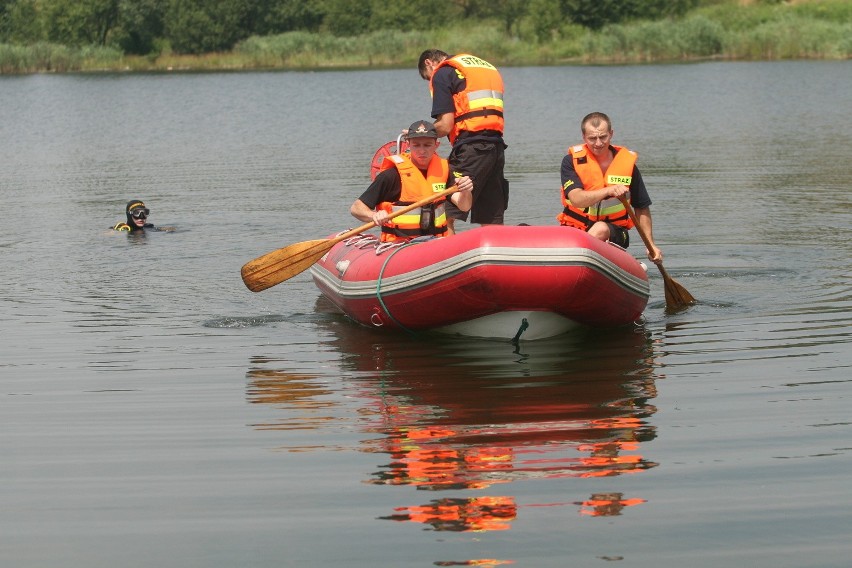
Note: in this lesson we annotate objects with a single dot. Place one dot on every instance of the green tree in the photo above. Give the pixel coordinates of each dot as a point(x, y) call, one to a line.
point(202, 26)
point(347, 17)
point(140, 25)
point(471, 8)
point(546, 18)
point(595, 14)
point(509, 12)
point(82, 22)
point(279, 16)
point(20, 22)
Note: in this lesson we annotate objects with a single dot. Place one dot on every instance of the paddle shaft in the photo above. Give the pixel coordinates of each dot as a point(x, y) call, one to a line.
point(403, 211)
point(645, 238)
point(676, 295)
point(284, 263)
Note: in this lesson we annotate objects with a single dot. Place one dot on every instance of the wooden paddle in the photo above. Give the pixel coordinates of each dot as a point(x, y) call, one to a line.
point(677, 297)
point(279, 265)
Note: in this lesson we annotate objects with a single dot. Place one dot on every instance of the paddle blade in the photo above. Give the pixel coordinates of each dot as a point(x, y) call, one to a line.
point(282, 264)
point(677, 297)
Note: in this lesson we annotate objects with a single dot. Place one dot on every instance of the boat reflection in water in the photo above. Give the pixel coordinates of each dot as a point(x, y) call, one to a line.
point(458, 414)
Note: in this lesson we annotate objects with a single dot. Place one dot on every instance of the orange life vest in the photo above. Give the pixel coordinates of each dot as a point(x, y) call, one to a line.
point(611, 210)
point(480, 105)
point(428, 220)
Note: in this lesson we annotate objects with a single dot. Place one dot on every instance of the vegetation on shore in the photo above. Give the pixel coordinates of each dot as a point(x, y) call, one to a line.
point(721, 29)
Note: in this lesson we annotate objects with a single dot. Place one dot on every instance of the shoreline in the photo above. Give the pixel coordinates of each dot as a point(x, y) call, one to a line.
point(197, 64)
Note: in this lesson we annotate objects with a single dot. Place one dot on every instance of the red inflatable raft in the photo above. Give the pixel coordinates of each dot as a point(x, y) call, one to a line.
point(518, 282)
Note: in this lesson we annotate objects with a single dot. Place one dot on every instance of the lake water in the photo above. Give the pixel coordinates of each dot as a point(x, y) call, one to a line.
point(154, 412)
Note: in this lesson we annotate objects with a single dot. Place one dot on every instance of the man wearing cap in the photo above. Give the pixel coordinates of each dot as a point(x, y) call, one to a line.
point(407, 178)
point(467, 105)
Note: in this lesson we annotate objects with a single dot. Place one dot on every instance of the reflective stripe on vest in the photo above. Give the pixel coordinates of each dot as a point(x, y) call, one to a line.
point(428, 220)
point(480, 105)
point(610, 210)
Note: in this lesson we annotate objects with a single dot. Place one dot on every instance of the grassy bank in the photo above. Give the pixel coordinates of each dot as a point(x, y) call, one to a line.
point(797, 30)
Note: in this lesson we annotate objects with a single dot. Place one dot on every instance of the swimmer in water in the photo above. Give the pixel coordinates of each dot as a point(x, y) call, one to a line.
point(137, 217)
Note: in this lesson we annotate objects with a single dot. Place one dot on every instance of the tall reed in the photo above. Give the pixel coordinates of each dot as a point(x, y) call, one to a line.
point(51, 57)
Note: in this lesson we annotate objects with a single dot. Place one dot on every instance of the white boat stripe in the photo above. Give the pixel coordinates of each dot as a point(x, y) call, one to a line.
point(483, 256)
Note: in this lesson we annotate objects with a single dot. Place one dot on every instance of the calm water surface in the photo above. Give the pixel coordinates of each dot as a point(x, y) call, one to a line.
point(156, 413)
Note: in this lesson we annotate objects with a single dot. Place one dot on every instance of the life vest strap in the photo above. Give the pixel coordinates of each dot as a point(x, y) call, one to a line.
point(577, 217)
point(588, 222)
point(412, 233)
point(476, 113)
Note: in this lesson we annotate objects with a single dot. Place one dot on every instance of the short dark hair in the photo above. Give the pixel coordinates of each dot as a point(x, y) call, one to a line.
point(432, 54)
point(595, 118)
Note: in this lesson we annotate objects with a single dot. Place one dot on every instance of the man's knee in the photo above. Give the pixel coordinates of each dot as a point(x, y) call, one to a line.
point(600, 231)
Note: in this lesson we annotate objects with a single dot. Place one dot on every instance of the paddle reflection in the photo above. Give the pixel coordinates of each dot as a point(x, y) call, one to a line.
point(295, 391)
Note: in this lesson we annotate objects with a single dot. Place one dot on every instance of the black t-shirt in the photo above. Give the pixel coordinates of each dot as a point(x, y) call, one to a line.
point(639, 197)
point(388, 187)
point(446, 82)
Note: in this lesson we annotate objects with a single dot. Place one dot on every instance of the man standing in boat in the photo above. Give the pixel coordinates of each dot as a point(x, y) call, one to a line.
point(407, 178)
point(467, 105)
point(595, 175)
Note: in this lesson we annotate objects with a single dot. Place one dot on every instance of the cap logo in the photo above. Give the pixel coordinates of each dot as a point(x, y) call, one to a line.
point(421, 129)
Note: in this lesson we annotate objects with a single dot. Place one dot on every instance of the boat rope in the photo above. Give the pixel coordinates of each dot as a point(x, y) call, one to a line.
point(379, 287)
point(524, 325)
point(361, 241)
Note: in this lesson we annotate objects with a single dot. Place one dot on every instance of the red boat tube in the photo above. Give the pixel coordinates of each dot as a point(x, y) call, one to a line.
point(497, 281)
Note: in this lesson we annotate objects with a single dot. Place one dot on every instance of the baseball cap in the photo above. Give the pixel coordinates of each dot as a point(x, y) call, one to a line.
point(422, 129)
